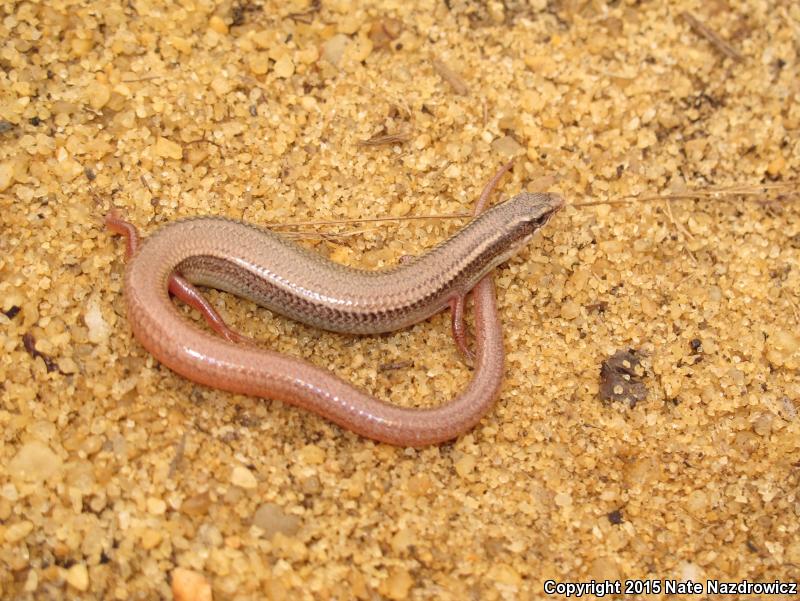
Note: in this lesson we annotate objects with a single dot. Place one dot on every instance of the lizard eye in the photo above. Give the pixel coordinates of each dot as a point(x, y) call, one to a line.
point(540, 220)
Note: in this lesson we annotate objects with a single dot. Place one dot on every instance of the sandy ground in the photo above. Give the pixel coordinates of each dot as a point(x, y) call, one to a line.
point(115, 472)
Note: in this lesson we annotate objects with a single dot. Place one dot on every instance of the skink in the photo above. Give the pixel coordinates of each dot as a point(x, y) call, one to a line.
point(275, 273)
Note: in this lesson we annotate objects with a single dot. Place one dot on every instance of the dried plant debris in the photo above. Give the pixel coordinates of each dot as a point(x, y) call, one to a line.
point(621, 378)
point(307, 16)
point(450, 76)
point(395, 365)
point(384, 31)
point(6, 126)
point(709, 34)
point(12, 311)
point(30, 346)
point(615, 517)
point(385, 139)
point(238, 14)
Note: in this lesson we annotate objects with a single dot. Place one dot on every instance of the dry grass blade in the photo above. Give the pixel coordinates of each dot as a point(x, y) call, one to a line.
point(307, 16)
point(791, 187)
point(315, 235)
point(144, 78)
point(454, 79)
point(709, 34)
point(384, 139)
point(368, 220)
point(715, 194)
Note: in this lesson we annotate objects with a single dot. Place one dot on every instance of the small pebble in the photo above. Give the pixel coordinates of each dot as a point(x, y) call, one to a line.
point(508, 146)
point(570, 310)
point(403, 540)
point(605, 568)
point(168, 149)
point(311, 485)
point(16, 532)
point(258, 62)
point(792, 552)
point(505, 574)
point(35, 461)
point(99, 330)
point(419, 484)
point(243, 477)
point(188, 585)
point(689, 571)
point(397, 585)
point(272, 519)
point(98, 94)
point(222, 85)
point(218, 24)
point(776, 166)
point(763, 423)
point(783, 349)
point(333, 49)
point(563, 499)
point(465, 465)
point(312, 455)
point(156, 506)
point(78, 577)
point(284, 67)
point(151, 538)
point(198, 504)
point(6, 175)
point(180, 44)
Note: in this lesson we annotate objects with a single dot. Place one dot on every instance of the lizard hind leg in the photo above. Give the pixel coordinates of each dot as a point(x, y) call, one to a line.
point(457, 304)
point(178, 286)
